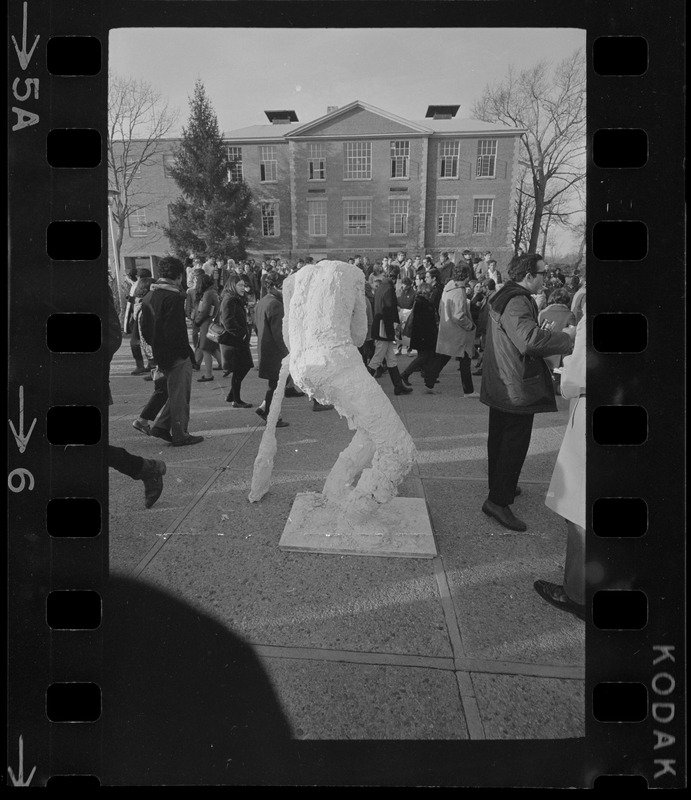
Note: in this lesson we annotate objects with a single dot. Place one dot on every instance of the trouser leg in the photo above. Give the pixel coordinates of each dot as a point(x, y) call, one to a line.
point(175, 414)
point(466, 376)
point(157, 399)
point(574, 567)
point(434, 368)
point(380, 351)
point(124, 462)
point(268, 397)
point(137, 355)
point(236, 383)
point(507, 446)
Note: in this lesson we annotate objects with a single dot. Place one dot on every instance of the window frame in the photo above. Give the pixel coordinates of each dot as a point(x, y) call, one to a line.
point(394, 214)
point(313, 158)
point(275, 218)
point(480, 160)
point(440, 214)
point(140, 230)
point(366, 213)
point(347, 159)
point(487, 215)
point(396, 159)
point(311, 216)
point(264, 161)
point(455, 159)
point(234, 165)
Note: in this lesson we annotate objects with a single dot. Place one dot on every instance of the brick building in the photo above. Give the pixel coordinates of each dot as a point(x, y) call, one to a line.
point(360, 180)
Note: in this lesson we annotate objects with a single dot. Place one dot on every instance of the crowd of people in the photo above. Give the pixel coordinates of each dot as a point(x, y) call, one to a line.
point(517, 324)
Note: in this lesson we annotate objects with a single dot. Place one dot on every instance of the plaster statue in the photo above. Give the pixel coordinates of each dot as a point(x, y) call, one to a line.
point(325, 322)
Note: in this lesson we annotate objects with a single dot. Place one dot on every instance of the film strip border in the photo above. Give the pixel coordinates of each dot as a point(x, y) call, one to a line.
point(57, 476)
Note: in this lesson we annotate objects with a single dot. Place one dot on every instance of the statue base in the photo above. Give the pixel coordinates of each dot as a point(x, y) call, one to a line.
point(400, 528)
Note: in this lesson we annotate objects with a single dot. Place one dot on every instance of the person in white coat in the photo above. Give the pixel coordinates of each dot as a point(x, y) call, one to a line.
point(325, 322)
point(566, 493)
point(456, 332)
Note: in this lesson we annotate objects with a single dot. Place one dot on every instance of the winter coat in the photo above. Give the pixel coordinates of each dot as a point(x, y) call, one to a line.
point(515, 377)
point(385, 312)
point(437, 291)
point(405, 297)
point(456, 327)
point(235, 341)
point(566, 493)
point(270, 344)
point(369, 308)
point(446, 271)
point(208, 308)
point(163, 323)
point(422, 326)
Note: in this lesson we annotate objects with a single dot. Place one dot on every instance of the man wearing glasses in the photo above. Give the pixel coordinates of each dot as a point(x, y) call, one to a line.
point(516, 381)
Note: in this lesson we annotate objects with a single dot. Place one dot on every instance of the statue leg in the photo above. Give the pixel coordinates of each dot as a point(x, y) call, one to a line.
point(349, 464)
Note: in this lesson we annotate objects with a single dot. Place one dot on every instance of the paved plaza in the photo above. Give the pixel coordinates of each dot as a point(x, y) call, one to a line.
point(458, 647)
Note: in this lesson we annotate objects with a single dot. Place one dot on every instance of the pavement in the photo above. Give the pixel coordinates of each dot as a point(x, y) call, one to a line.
point(458, 647)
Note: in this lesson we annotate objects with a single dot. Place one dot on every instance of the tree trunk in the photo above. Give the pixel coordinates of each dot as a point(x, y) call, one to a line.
point(581, 248)
point(545, 231)
point(537, 220)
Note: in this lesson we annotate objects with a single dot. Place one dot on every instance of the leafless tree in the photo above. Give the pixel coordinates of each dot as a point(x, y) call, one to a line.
point(551, 107)
point(138, 119)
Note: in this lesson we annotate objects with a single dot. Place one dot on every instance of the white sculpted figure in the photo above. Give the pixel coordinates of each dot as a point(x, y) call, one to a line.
point(325, 322)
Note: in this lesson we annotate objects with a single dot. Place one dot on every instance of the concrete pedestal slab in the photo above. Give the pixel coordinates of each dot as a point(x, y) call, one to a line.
point(400, 528)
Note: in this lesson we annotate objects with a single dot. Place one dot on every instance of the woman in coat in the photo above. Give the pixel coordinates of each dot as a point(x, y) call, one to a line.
point(566, 493)
point(235, 340)
point(456, 332)
point(423, 331)
point(270, 345)
point(208, 303)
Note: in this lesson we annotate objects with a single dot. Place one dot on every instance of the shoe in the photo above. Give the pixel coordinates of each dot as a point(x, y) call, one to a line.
point(240, 404)
point(148, 377)
point(476, 372)
point(152, 474)
point(189, 439)
point(261, 413)
point(281, 424)
point(217, 368)
point(404, 378)
point(431, 390)
point(227, 372)
point(139, 371)
point(399, 386)
point(504, 516)
point(160, 433)
point(204, 379)
point(196, 367)
point(322, 407)
point(293, 393)
point(142, 427)
point(556, 596)
point(378, 372)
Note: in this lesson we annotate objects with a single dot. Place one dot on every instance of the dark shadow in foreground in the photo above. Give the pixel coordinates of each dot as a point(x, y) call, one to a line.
point(185, 700)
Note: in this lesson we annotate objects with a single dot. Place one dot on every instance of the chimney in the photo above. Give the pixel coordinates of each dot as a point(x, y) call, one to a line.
point(442, 112)
point(329, 109)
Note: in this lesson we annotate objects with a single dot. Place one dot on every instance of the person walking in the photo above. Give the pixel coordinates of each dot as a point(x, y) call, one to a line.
point(208, 305)
point(384, 335)
point(423, 330)
point(165, 329)
point(270, 345)
point(516, 382)
point(235, 340)
point(566, 492)
point(456, 332)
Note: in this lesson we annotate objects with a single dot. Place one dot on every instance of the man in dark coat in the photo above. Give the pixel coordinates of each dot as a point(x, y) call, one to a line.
point(384, 334)
point(423, 330)
point(446, 267)
point(270, 345)
point(516, 382)
point(148, 470)
point(164, 328)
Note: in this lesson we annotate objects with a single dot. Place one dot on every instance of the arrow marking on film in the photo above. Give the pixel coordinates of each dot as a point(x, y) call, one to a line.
point(22, 55)
point(18, 780)
point(21, 439)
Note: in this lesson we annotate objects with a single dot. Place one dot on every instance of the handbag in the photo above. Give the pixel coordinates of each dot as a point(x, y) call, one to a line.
point(215, 332)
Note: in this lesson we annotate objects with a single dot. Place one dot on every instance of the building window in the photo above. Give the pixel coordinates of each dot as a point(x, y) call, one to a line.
point(234, 159)
point(168, 162)
point(317, 162)
point(137, 223)
point(270, 219)
point(357, 217)
point(448, 159)
point(446, 216)
point(398, 216)
point(400, 156)
point(316, 217)
point(482, 215)
point(358, 161)
point(268, 166)
point(486, 158)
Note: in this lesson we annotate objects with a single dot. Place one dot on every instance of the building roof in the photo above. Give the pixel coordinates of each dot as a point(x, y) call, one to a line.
point(277, 131)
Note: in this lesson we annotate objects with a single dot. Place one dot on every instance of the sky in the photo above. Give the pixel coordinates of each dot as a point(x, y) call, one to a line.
point(246, 71)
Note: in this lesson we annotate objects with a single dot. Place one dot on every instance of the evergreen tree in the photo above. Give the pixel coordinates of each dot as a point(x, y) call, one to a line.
point(213, 216)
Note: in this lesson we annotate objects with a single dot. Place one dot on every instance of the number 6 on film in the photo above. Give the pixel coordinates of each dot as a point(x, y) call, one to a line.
point(23, 475)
